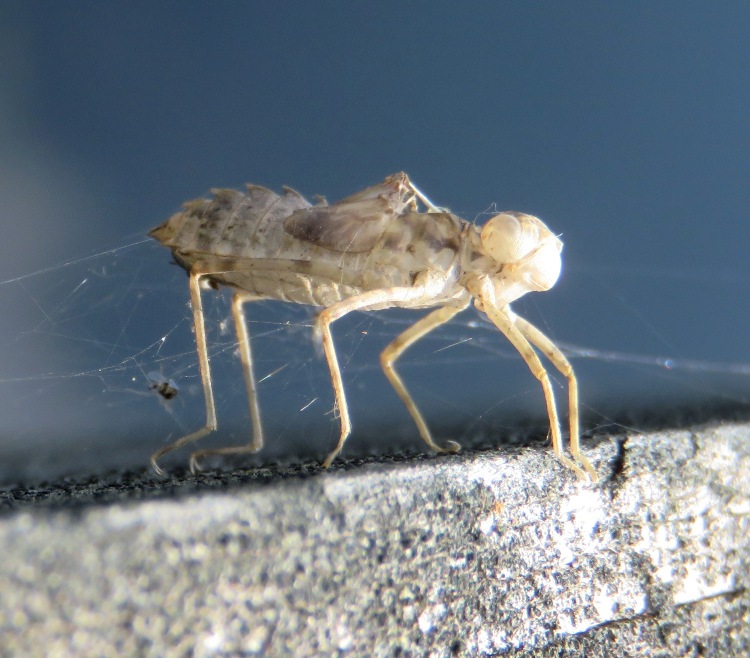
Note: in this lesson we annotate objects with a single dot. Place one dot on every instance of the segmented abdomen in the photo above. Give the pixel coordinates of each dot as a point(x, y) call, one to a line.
point(260, 242)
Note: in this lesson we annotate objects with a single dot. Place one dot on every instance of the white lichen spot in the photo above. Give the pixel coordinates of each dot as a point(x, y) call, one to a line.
point(606, 605)
point(487, 524)
point(569, 625)
point(256, 639)
point(345, 639)
point(699, 526)
point(739, 506)
point(409, 614)
point(214, 642)
point(489, 643)
point(406, 594)
point(586, 510)
point(582, 513)
point(701, 502)
point(458, 563)
point(430, 617)
point(659, 544)
point(566, 553)
point(665, 574)
point(696, 586)
point(641, 604)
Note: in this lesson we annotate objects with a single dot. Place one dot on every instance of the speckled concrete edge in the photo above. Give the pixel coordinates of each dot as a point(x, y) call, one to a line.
point(469, 555)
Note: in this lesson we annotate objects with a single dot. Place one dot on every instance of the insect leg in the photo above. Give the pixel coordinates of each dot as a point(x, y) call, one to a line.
point(246, 356)
point(200, 343)
point(405, 340)
point(373, 300)
point(502, 319)
point(431, 207)
point(556, 357)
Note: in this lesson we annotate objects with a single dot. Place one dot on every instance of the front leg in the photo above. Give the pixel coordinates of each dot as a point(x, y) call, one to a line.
point(557, 358)
point(505, 321)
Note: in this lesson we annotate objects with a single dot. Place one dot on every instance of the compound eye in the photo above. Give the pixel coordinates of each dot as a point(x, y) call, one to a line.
point(510, 236)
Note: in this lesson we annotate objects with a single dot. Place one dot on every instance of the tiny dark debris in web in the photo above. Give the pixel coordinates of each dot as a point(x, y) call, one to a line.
point(167, 388)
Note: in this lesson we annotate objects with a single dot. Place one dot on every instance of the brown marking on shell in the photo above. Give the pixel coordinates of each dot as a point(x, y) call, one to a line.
point(292, 192)
point(160, 233)
point(252, 188)
point(213, 215)
point(226, 197)
point(391, 242)
point(350, 228)
point(439, 242)
point(195, 206)
point(393, 190)
point(182, 260)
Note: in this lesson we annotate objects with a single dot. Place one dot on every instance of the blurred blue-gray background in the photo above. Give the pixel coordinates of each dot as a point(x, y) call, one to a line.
point(623, 125)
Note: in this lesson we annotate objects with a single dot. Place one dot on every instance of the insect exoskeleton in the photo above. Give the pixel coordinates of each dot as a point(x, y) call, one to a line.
point(370, 251)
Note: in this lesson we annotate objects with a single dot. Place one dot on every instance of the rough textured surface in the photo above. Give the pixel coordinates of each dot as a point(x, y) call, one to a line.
point(479, 554)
